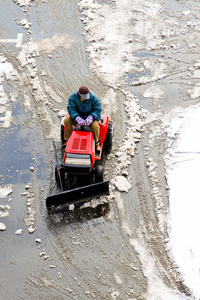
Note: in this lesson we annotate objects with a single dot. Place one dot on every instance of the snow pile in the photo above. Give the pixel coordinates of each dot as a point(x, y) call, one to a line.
point(115, 32)
point(27, 58)
point(107, 29)
point(183, 173)
point(5, 190)
point(6, 71)
point(31, 211)
point(121, 177)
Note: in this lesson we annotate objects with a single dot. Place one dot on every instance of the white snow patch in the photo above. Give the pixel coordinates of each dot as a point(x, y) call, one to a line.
point(6, 68)
point(6, 71)
point(183, 173)
point(23, 2)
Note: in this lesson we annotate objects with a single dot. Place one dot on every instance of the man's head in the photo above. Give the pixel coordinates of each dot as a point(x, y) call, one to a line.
point(84, 92)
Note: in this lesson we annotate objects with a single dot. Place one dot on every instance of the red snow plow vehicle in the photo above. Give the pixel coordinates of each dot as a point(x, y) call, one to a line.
point(80, 174)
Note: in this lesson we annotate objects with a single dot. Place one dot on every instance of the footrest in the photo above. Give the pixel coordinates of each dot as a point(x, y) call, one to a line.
point(98, 154)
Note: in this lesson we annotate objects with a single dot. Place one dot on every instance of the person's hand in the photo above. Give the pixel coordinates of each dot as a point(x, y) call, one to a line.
point(89, 120)
point(80, 121)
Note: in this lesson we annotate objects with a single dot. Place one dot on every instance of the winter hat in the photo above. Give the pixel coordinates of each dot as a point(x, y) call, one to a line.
point(84, 92)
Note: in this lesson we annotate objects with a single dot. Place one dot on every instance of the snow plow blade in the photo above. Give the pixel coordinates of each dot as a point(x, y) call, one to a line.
point(61, 201)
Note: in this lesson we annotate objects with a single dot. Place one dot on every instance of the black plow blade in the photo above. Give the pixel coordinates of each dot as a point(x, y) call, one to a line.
point(76, 196)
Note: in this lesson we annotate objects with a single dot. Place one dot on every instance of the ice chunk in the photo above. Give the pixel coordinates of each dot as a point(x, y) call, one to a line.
point(5, 190)
point(122, 184)
point(2, 227)
point(18, 231)
point(31, 229)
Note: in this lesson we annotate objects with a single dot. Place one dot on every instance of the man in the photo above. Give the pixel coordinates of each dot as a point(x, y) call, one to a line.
point(84, 108)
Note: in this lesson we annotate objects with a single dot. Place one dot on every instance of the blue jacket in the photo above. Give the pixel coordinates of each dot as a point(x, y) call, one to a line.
point(83, 109)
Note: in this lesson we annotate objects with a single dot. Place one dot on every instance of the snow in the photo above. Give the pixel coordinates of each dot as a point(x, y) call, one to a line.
point(2, 227)
point(4, 211)
point(108, 32)
point(112, 40)
point(49, 45)
point(156, 287)
point(31, 229)
point(18, 231)
point(23, 2)
point(183, 173)
point(111, 43)
point(5, 190)
point(25, 24)
point(6, 70)
point(122, 184)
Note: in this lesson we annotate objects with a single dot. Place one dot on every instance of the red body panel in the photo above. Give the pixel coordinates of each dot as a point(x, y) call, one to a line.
point(103, 128)
point(82, 142)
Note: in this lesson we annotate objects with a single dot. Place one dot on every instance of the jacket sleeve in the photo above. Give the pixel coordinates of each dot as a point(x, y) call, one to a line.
point(96, 108)
point(72, 107)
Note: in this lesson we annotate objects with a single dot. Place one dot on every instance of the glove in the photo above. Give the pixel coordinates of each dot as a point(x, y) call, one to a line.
point(89, 120)
point(80, 121)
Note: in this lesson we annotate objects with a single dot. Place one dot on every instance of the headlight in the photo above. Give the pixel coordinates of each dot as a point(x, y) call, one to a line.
point(78, 161)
